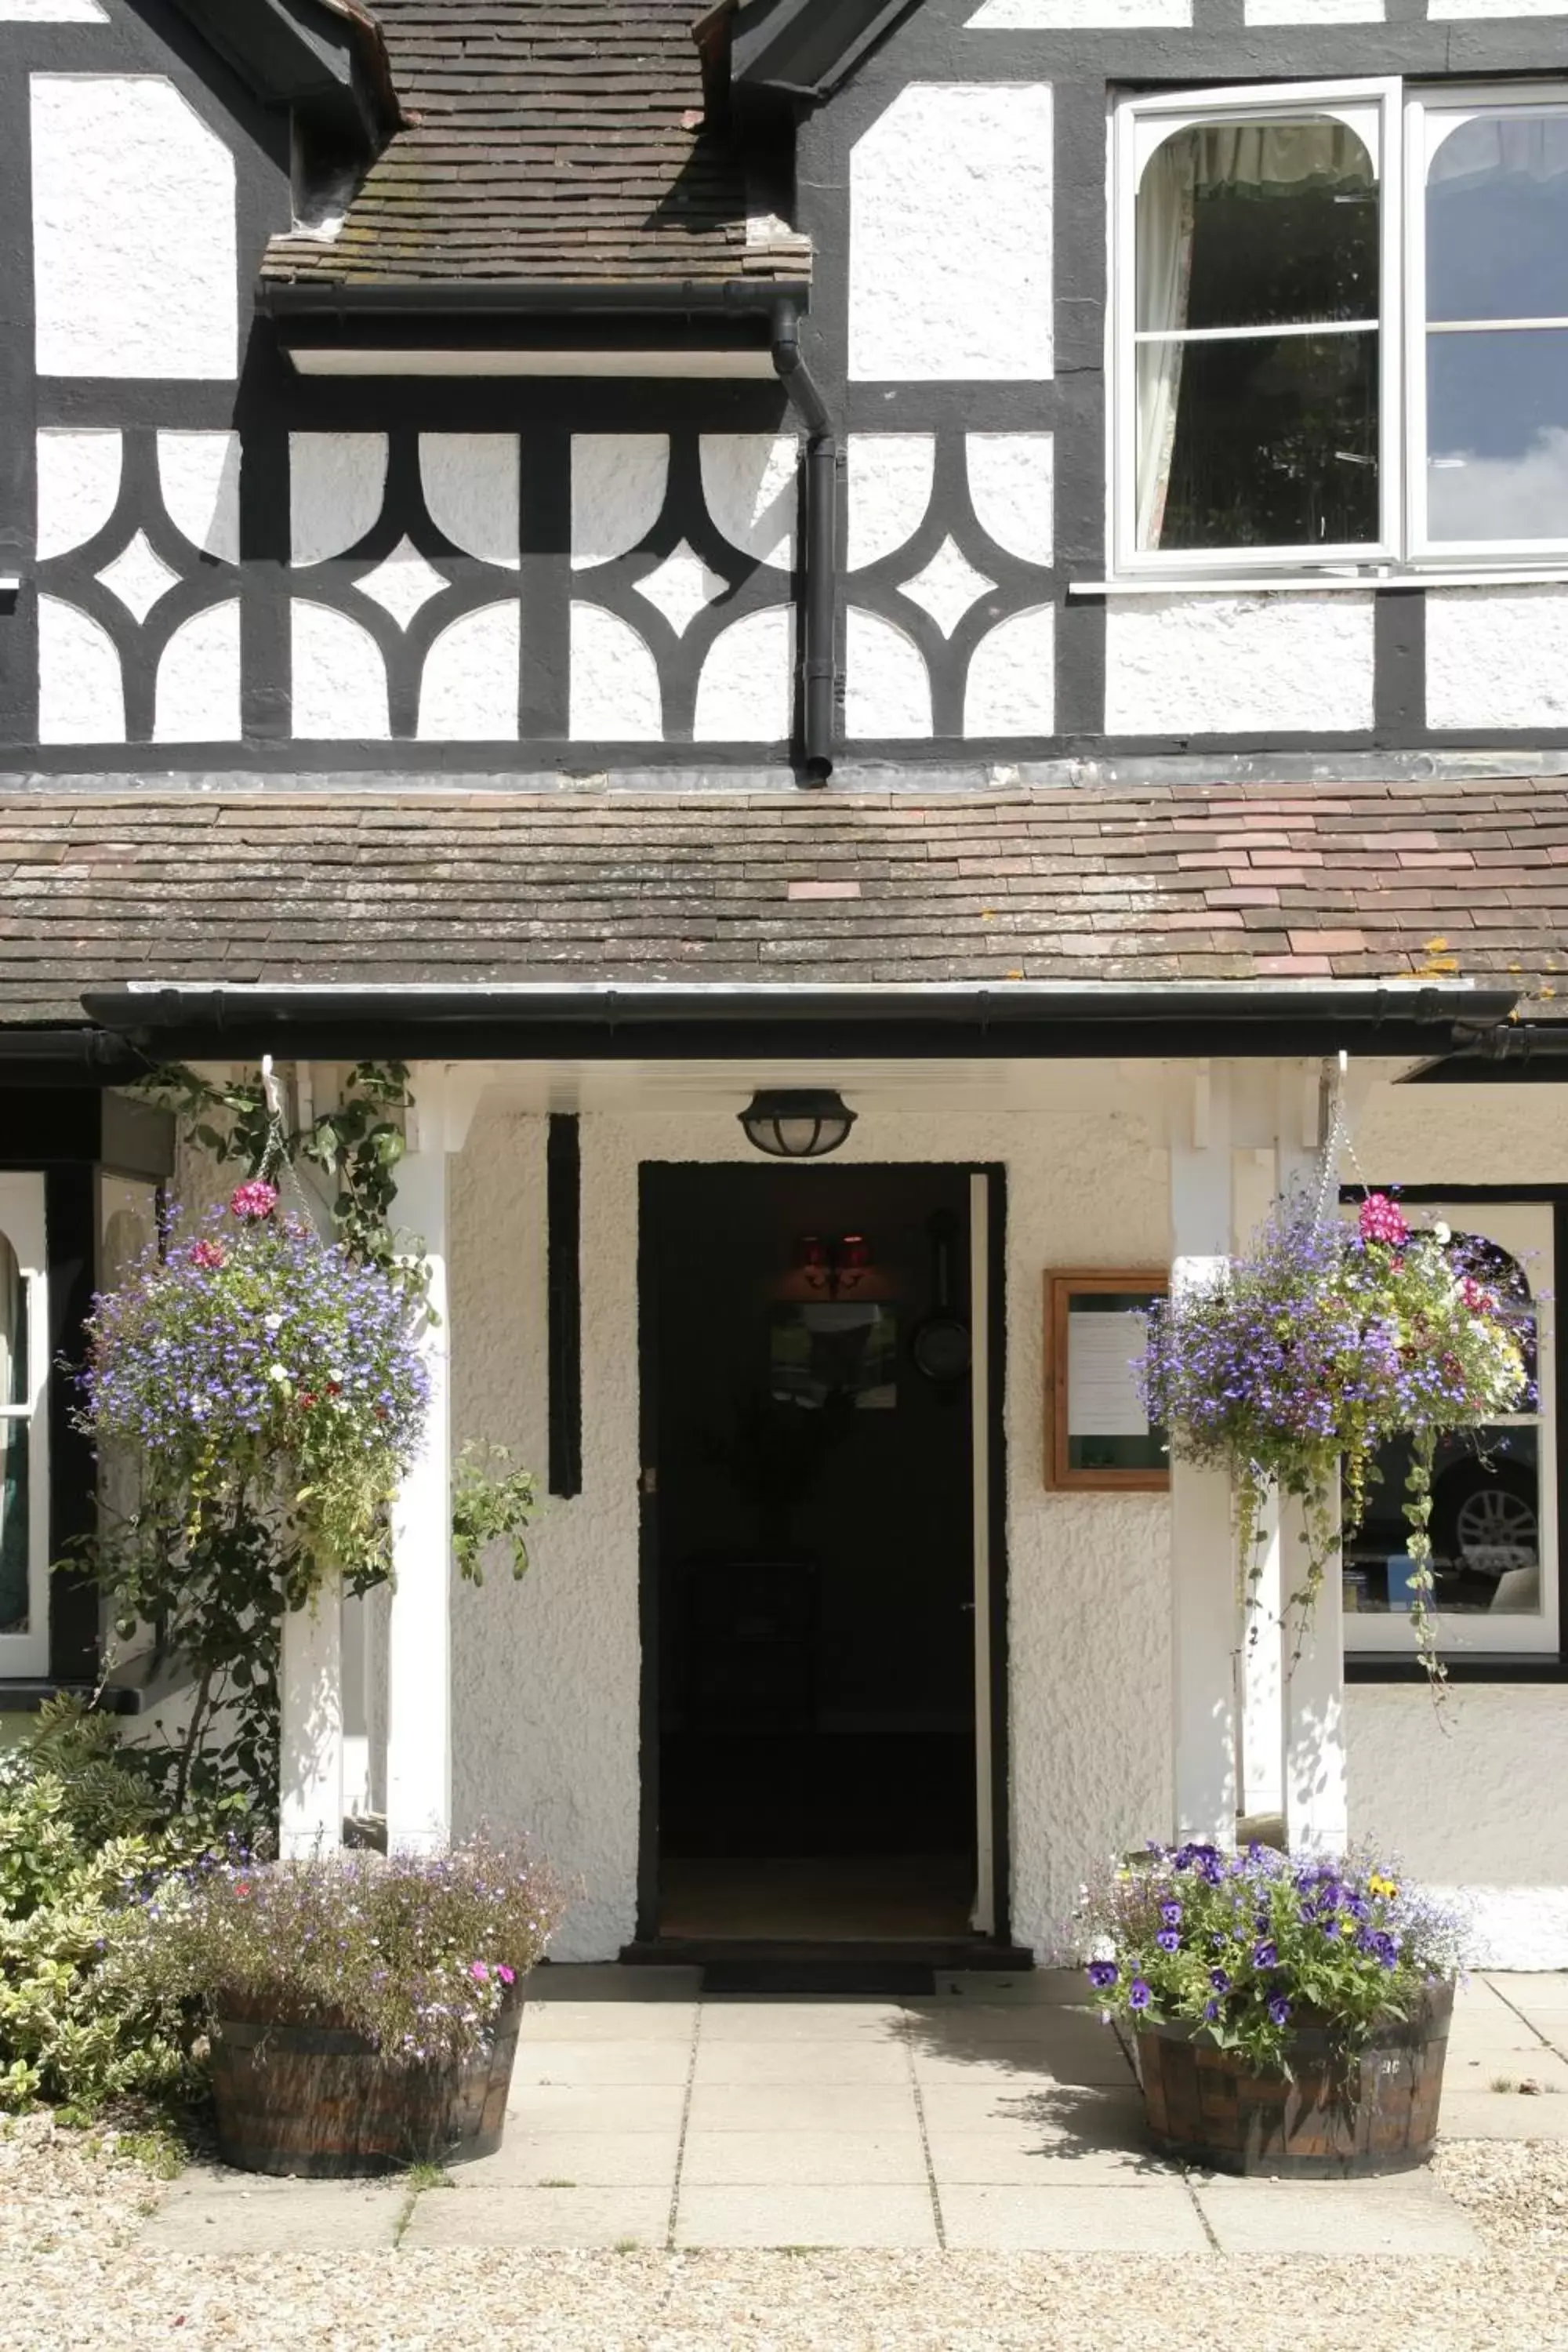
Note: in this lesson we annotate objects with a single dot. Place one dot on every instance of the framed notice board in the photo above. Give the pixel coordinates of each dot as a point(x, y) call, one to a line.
point(1096, 1434)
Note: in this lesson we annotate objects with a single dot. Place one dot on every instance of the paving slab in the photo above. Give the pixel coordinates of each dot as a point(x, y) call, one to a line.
point(802, 2160)
point(846, 2061)
point(1091, 2117)
point(802, 2020)
point(615, 2061)
point(1404, 2214)
point(518, 2216)
point(591, 2159)
point(1501, 2114)
point(1023, 2064)
point(597, 2107)
point(244, 2213)
point(1059, 1986)
point(959, 2023)
point(802, 2106)
point(609, 1980)
point(1143, 2218)
point(1024, 2157)
point(606, 2021)
point(890, 2217)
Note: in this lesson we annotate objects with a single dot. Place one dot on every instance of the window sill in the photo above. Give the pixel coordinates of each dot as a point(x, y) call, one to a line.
point(1320, 583)
point(1540, 1666)
point(25, 1694)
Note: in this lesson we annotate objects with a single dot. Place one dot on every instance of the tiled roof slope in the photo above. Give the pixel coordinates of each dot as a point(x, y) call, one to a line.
point(554, 140)
point(1188, 883)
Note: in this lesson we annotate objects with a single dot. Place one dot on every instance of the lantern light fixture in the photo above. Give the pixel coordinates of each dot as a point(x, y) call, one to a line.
point(797, 1122)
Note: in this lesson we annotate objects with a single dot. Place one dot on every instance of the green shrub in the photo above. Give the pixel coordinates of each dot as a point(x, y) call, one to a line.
point(83, 1831)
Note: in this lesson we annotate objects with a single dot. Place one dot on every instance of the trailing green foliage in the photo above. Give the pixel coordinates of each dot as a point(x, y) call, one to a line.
point(491, 1502)
point(357, 1146)
point(83, 1831)
point(243, 1468)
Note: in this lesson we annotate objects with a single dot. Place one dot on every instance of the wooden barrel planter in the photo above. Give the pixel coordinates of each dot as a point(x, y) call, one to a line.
point(1339, 2117)
point(321, 2102)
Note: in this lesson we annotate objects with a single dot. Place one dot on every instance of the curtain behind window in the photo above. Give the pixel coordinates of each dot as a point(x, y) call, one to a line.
point(1188, 180)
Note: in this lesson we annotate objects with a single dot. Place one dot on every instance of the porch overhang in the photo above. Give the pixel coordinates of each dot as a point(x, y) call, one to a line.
point(742, 1021)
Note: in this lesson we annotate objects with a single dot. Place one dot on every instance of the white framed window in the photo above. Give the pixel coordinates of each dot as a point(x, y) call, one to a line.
point(1487, 322)
point(1338, 331)
point(24, 1429)
point(1494, 1489)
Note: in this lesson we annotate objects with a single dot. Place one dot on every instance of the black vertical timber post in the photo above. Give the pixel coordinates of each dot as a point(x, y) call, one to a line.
point(651, 1199)
point(71, 1194)
point(564, 1215)
point(1001, 1741)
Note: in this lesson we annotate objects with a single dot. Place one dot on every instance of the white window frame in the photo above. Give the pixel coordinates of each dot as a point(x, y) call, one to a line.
point(1402, 113)
point(1524, 1229)
point(1371, 108)
point(1422, 106)
point(22, 1225)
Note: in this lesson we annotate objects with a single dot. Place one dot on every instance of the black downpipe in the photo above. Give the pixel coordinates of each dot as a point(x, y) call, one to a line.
point(819, 670)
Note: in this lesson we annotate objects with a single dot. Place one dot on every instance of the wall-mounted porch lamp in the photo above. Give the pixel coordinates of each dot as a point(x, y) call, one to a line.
point(797, 1122)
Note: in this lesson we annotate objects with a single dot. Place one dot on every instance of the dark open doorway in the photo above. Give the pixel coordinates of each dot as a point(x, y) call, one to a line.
point(810, 1732)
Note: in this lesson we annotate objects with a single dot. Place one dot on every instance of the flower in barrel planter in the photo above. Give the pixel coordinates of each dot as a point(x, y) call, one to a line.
point(1298, 1362)
point(1292, 2011)
point(362, 2009)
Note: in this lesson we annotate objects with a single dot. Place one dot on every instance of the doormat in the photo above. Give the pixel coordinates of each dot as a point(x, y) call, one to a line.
point(827, 1980)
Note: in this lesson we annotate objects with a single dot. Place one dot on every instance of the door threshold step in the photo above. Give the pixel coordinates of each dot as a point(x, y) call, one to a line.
point(825, 1965)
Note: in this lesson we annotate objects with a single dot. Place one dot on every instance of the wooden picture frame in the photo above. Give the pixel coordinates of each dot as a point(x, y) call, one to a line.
point(1139, 1472)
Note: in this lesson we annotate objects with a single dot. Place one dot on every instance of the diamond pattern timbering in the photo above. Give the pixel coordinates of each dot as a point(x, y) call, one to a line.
point(950, 628)
point(139, 638)
point(406, 617)
point(701, 528)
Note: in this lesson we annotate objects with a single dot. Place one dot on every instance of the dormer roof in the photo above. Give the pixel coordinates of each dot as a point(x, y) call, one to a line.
point(548, 142)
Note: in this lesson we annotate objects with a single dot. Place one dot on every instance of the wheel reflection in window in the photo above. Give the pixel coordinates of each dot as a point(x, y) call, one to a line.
point(1486, 1528)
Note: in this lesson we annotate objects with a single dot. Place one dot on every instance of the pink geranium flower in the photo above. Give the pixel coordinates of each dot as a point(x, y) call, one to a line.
point(1380, 1221)
point(257, 1198)
point(478, 1971)
point(211, 1253)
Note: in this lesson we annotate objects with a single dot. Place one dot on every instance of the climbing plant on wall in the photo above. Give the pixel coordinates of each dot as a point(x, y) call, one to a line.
point(262, 1385)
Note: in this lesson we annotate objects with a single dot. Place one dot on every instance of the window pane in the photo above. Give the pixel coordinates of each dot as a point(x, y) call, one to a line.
point(1497, 219)
point(14, 1548)
point(1269, 441)
point(1486, 1529)
point(13, 1328)
point(1497, 434)
point(1258, 224)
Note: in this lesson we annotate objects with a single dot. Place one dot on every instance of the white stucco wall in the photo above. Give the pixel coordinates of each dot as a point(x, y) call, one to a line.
point(1471, 1802)
point(950, 235)
point(135, 254)
point(1228, 665)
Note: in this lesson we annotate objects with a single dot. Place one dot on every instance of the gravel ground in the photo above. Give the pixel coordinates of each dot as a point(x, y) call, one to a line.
point(72, 2276)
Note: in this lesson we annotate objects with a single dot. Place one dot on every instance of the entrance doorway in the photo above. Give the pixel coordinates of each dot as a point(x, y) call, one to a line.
point(816, 1737)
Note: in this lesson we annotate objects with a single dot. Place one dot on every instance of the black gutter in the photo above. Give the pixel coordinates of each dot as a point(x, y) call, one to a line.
point(61, 1057)
point(819, 691)
point(828, 1023)
point(285, 299)
point(1514, 1051)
